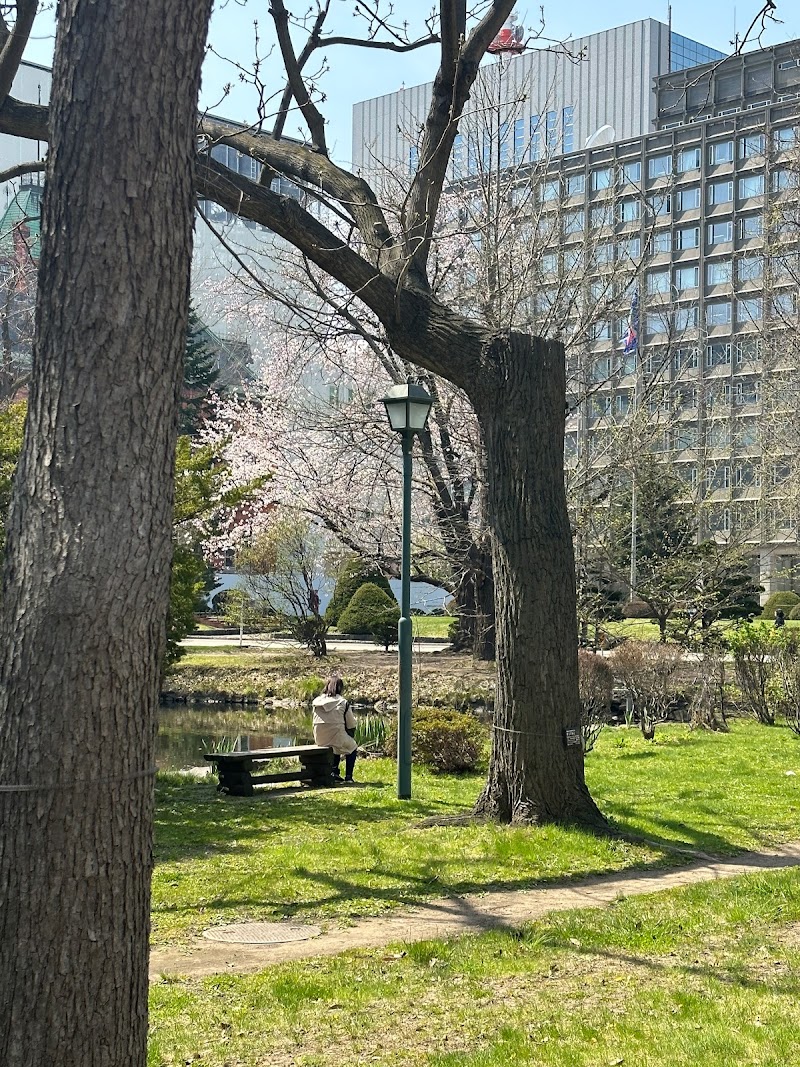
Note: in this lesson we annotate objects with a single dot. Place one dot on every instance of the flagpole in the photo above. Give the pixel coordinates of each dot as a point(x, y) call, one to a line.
point(632, 345)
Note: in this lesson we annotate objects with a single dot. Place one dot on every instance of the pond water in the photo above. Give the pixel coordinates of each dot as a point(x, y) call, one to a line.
point(184, 734)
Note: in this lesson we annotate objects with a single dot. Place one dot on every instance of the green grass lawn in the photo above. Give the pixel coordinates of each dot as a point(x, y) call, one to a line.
point(347, 853)
point(431, 625)
point(695, 977)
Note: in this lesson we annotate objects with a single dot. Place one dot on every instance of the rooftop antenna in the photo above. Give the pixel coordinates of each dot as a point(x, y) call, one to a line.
point(669, 38)
point(735, 41)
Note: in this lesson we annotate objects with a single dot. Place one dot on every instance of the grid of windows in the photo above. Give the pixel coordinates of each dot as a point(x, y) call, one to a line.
point(684, 52)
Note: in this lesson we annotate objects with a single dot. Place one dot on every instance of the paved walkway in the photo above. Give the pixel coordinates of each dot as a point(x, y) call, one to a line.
point(453, 916)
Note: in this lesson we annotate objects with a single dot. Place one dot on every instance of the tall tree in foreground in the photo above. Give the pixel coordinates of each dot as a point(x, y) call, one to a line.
point(86, 578)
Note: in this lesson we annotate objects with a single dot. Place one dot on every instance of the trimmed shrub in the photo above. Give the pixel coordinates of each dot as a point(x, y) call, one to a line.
point(794, 613)
point(371, 612)
point(787, 601)
point(353, 573)
point(636, 609)
point(443, 739)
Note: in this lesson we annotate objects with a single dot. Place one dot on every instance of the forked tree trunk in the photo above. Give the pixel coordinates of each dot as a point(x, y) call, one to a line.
point(85, 590)
point(534, 776)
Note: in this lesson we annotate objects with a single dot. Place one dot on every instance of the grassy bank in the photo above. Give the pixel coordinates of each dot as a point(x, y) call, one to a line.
point(688, 978)
point(345, 853)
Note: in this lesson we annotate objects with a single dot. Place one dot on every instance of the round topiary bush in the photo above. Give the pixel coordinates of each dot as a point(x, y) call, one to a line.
point(636, 609)
point(371, 612)
point(794, 613)
point(787, 601)
point(353, 573)
point(444, 739)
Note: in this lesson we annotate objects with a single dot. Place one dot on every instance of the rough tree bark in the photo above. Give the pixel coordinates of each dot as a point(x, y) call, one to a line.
point(533, 775)
point(86, 579)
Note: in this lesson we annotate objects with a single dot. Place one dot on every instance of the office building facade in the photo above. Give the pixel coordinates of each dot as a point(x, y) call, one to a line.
point(683, 240)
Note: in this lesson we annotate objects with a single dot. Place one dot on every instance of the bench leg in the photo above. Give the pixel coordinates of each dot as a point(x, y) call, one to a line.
point(236, 783)
point(320, 766)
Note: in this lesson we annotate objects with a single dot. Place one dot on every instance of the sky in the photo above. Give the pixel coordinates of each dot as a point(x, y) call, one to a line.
point(358, 76)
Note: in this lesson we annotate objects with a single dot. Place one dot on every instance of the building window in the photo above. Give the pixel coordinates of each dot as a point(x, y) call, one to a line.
point(688, 159)
point(748, 351)
point(661, 242)
point(658, 282)
point(781, 180)
point(719, 193)
point(688, 199)
point(552, 132)
point(751, 146)
point(684, 359)
point(536, 137)
point(686, 278)
point(601, 179)
point(630, 249)
point(551, 191)
point(749, 309)
point(413, 159)
point(746, 394)
point(720, 152)
point(718, 313)
point(685, 318)
point(604, 253)
point(659, 205)
point(752, 185)
point(718, 355)
point(718, 272)
point(784, 305)
point(659, 166)
point(785, 138)
point(600, 331)
point(568, 128)
point(687, 237)
point(549, 263)
point(576, 184)
point(601, 216)
point(629, 210)
point(656, 322)
point(573, 222)
point(749, 227)
point(519, 140)
point(632, 173)
point(749, 269)
point(747, 433)
point(720, 233)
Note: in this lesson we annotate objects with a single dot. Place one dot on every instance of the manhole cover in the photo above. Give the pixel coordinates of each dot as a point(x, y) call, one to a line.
point(260, 933)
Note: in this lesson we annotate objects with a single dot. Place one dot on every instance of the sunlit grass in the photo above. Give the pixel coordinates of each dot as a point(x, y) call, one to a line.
point(687, 978)
point(340, 854)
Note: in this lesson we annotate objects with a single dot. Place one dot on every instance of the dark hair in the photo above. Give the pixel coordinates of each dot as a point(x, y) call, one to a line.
point(333, 686)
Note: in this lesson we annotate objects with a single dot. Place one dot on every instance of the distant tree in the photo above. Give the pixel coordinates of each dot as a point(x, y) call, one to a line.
point(282, 570)
point(200, 374)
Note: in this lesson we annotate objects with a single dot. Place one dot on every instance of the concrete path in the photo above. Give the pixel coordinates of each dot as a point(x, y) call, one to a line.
point(453, 916)
point(335, 644)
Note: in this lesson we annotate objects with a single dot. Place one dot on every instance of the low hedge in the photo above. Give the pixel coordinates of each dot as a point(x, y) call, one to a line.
point(788, 601)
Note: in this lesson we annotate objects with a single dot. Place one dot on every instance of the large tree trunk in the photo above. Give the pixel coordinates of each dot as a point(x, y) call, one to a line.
point(86, 578)
point(534, 775)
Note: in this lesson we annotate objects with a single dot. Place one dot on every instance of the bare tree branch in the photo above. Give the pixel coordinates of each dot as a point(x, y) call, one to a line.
point(22, 168)
point(14, 45)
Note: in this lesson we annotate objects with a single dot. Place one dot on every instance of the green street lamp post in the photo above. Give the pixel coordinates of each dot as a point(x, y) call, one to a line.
point(407, 407)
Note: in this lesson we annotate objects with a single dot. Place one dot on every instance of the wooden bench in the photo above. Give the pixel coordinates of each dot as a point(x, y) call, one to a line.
point(235, 768)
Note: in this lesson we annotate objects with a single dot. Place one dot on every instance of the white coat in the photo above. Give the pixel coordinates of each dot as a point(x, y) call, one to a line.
point(332, 717)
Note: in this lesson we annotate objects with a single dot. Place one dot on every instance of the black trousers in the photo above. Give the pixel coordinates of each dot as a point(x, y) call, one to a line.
point(349, 761)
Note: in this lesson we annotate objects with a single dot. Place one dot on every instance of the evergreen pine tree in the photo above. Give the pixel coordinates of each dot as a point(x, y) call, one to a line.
point(200, 374)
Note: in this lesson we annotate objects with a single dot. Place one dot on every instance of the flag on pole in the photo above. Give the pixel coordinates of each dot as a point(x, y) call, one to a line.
point(630, 341)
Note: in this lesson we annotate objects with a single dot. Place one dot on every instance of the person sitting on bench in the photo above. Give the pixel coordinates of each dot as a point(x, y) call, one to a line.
point(335, 725)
